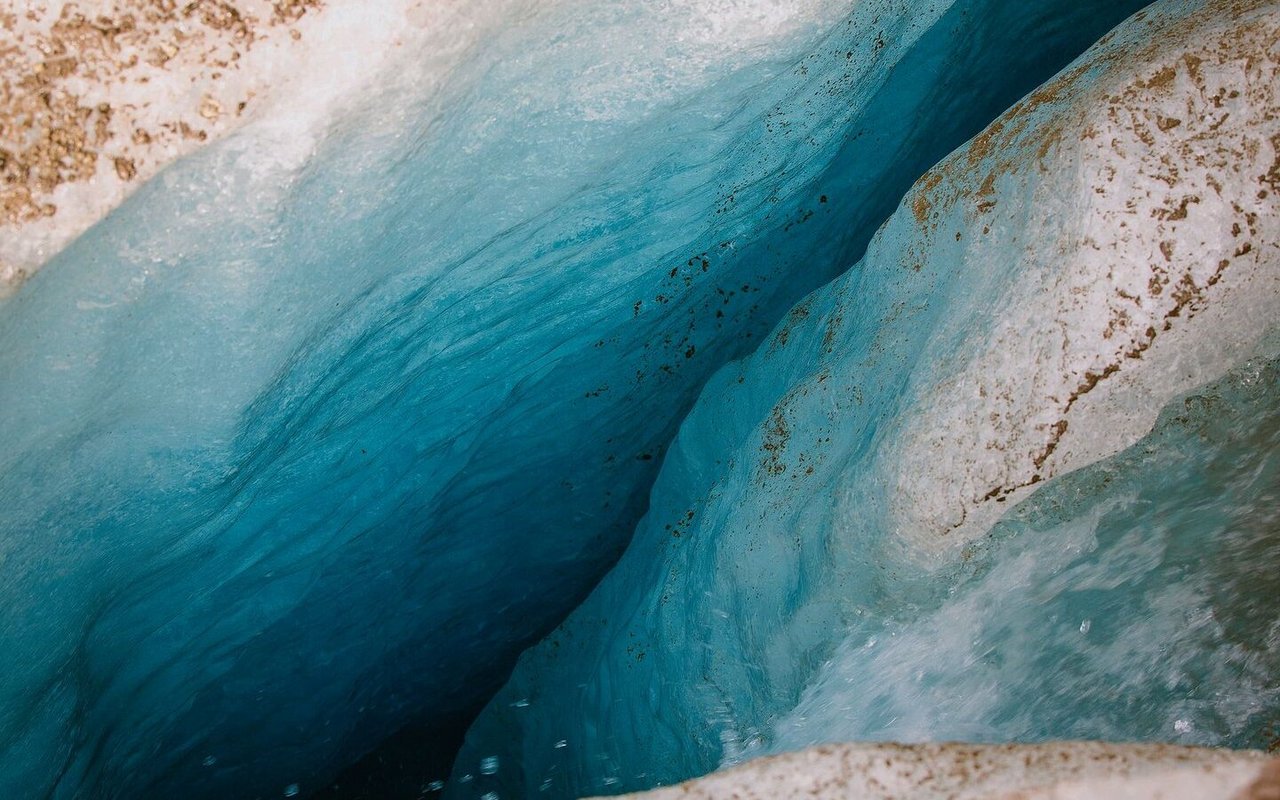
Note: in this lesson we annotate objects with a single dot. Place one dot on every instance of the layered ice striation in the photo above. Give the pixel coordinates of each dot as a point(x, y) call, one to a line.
point(1012, 477)
point(311, 436)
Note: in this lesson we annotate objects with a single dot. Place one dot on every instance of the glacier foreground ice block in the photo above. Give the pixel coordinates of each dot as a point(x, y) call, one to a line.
point(297, 450)
point(954, 771)
point(925, 508)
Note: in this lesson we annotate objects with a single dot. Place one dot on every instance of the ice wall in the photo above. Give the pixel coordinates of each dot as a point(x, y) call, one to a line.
point(1131, 600)
point(308, 439)
point(991, 483)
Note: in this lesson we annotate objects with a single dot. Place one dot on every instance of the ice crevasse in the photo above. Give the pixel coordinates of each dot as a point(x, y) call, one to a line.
point(287, 462)
point(1012, 477)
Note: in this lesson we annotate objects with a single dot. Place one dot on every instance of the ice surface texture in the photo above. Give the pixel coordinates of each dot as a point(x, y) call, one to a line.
point(963, 771)
point(938, 503)
point(298, 450)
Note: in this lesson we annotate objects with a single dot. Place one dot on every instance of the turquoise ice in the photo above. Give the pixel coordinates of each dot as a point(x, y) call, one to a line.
point(294, 458)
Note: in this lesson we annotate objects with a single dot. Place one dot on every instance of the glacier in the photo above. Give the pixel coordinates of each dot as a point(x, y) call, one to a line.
point(308, 439)
point(1011, 478)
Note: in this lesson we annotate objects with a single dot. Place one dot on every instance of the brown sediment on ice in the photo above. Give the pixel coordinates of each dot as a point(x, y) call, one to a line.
point(1051, 771)
point(96, 97)
point(1149, 170)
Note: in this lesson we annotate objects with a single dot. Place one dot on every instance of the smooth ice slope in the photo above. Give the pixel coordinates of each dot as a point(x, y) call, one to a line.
point(308, 439)
point(819, 560)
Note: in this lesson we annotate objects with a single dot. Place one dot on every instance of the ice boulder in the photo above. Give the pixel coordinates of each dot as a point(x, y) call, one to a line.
point(949, 771)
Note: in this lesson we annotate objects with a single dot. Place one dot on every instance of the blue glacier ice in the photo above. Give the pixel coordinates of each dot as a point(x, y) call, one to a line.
point(296, 456)
point(1012, 477)
point(1130, 600)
